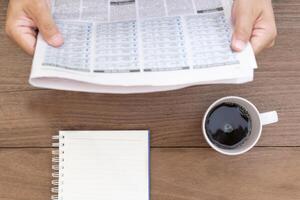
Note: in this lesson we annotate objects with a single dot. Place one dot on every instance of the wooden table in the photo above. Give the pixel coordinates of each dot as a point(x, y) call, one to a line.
point(183, 166)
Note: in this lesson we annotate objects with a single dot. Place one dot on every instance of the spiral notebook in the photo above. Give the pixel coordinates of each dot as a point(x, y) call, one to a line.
point(101, 165)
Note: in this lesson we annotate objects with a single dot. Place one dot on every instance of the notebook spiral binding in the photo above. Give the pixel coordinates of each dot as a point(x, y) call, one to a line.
point(57, 166)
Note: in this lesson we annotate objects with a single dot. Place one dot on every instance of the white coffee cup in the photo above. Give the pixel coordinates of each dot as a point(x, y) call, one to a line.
point(258, 120)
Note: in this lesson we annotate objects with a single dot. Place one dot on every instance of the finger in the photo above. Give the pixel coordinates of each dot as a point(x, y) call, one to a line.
point(25, 37)
point(46, 25)
point(265, 31)
point(244, 19)
point(262, 41)
point(233, 12)
point(271, 44)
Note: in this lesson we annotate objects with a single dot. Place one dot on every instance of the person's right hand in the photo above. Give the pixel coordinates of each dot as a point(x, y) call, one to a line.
point(25, 18)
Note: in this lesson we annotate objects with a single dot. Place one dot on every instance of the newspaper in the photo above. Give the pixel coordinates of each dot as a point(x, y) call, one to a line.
point(132, 46)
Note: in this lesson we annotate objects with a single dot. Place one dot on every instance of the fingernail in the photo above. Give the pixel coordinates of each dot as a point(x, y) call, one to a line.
point(239, 44)
point(56, 40)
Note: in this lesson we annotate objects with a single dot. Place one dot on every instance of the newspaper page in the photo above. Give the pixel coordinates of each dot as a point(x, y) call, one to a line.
point(141, 44)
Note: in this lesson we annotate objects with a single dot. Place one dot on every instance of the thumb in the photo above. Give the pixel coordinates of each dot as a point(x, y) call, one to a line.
point(244, 19)
point(47, 26)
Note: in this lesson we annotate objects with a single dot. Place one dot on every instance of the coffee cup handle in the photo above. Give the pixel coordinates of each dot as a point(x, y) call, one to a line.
point(268, 118)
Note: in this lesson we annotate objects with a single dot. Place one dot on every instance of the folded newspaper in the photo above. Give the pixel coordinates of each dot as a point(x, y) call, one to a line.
point(134, 46)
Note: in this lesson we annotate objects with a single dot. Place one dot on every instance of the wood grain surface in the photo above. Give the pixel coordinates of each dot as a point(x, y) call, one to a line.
point(183, 167)
point(176, 174)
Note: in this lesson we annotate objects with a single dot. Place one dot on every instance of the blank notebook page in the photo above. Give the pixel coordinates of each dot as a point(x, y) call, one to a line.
point(103, 165)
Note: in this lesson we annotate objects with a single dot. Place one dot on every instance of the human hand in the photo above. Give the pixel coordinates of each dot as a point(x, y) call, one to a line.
point(25, 18)
point(254, 22)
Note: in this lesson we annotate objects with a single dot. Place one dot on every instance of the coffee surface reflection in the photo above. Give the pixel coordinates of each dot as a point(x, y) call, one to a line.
point(228, 125)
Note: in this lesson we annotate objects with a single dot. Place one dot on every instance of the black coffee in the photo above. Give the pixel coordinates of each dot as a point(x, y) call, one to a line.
point(228, 125)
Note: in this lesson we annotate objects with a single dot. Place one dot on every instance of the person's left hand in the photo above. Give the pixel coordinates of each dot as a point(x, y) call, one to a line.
point(253, 22)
